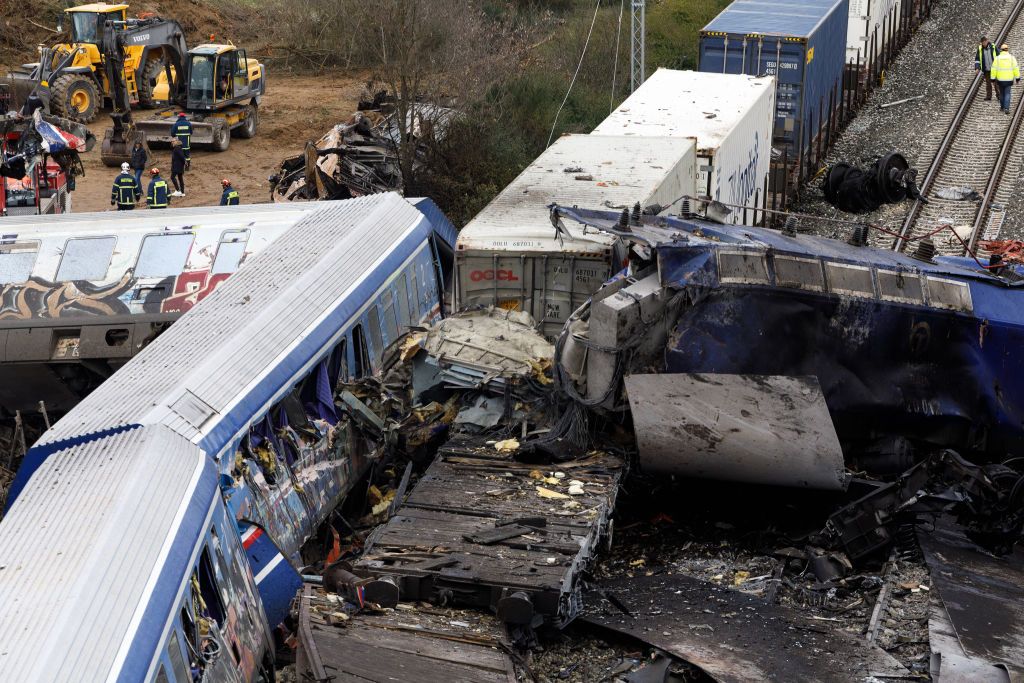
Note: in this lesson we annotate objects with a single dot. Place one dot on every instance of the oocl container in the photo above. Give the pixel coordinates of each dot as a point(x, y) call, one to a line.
point(802, 44)
point(509, 255)
point(729, 115)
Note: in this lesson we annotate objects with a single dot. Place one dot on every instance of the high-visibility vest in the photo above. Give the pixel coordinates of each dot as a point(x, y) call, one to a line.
point(158, 195)
point(1004, 67)
point(125, 190)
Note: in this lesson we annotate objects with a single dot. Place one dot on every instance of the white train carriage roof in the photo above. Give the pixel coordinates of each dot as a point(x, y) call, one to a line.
point(230, 358)
point(113, 222)
point(84, 548)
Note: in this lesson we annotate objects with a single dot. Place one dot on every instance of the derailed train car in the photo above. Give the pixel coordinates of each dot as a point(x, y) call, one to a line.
point(155, 531)
point(749, 354)
point(81, 294)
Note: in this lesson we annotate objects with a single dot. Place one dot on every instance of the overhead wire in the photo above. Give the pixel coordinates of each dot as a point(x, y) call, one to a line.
point(579, 66)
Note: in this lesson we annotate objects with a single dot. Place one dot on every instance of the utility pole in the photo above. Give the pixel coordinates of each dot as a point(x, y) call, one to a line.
point(638, 52)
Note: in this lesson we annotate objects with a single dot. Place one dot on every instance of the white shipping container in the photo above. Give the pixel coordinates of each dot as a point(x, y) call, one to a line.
point(509, 255)
point(729, 115)
point(871, 24)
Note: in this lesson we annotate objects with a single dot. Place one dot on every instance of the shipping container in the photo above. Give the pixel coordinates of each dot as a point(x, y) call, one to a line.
point(509, 255)
point(872, 24)
point(802, 44)
point(729, 115)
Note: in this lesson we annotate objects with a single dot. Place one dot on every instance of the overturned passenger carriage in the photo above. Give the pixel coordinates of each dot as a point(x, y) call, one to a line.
point(156, 530)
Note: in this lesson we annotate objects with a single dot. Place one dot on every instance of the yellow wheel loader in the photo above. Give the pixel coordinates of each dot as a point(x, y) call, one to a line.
point(71, 78)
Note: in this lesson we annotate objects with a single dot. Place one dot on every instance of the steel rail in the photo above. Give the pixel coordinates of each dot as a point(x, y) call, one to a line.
point(951, 133)
point(997, 175)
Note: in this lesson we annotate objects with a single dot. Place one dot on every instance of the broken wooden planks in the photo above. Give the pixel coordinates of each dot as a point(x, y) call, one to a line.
point(407, 644)
point(477, 531)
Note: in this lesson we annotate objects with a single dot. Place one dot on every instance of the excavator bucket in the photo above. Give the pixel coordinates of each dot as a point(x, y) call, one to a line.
point(117, 146)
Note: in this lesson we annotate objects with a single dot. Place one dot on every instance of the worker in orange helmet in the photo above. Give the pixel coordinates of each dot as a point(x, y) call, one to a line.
point(230, 195)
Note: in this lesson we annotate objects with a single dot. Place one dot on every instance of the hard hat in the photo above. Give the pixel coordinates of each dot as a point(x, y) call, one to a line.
point(154, 171)
point(125, 167)
point(181, 113)
point(225, 182)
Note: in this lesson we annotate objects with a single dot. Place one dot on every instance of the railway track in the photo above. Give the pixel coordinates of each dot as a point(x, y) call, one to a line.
point(976, 151)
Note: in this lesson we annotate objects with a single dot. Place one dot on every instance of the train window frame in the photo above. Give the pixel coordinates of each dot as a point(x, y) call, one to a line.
point(140, 272)
point(103, 256)
point(210, 593)
point(161, 675)
point(243, 240)
point(414, 296)
point(391, 322)
point(174, 653)
point(360, 353)
point(402, 285)
point(376, 334)
point(28, 250)
point(341, 348)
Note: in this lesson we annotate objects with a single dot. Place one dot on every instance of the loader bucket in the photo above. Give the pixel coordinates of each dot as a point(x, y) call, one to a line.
point(158, 131)
point(117, 148)
point(19, 85)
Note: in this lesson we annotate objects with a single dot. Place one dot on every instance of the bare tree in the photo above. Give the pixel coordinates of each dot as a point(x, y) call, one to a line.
point(429, 49)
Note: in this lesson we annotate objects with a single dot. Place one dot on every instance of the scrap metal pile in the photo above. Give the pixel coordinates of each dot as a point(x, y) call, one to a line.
point(357, 157)
point(807, 499)
point(28, 140)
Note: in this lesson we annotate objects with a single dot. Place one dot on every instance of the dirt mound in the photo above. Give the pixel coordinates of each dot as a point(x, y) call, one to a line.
point(23, 29)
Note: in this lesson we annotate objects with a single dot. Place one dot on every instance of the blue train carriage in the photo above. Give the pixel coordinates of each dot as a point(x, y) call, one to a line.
point(244, 386)
point(908, 349)
point(802, 43)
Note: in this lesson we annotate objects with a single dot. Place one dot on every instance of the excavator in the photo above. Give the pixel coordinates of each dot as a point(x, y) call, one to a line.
point(216, 85)
point(71, 78)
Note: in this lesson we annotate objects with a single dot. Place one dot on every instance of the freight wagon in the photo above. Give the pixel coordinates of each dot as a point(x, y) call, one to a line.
point(510, 254)
point(802, 44)
point(730, 116)
point(872, 26)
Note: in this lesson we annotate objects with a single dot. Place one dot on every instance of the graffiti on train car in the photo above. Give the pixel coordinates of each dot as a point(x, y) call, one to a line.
point(38, 298)
point(41, 299)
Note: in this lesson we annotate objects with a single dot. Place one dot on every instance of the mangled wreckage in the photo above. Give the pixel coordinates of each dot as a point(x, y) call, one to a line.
point(752, 355)
point(357, 157)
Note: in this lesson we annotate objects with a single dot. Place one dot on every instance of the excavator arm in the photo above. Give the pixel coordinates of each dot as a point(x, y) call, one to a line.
point(168, 35)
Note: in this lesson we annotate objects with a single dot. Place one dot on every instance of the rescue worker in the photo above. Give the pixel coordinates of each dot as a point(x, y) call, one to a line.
point(182, 129)
point(230, 196)
point(983, 59)
point(126, 190)
point(177, 168)
point(158, 196)
point(138, 161)
point(1005, 71)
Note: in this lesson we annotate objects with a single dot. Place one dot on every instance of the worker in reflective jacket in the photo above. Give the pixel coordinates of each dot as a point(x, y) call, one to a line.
point(182, 129)
point(1005, 71)
point(126, 190)
point(230, 196)
point(983, 59)
point(158, 197)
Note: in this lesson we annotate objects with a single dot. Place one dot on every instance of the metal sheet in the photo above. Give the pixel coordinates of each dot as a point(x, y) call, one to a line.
point(733, 636)
point(751, 428)
point(983, 599)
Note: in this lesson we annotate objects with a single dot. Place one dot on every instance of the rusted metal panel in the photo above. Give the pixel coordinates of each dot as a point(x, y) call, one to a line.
point(734, 636)
point(982, 599)
point(751, 428)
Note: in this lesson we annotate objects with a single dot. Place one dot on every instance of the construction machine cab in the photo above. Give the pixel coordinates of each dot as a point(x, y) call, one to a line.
point(219, 74)
point(87, 20)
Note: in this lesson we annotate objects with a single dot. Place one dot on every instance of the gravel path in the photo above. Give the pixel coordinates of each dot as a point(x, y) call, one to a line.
point(938, 63)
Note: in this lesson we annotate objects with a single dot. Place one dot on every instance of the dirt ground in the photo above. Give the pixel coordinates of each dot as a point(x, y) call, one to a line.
point(295, 109)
